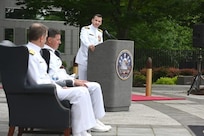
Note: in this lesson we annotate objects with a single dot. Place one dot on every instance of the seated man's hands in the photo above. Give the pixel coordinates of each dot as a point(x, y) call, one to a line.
point(65, 87)
point(78, 82)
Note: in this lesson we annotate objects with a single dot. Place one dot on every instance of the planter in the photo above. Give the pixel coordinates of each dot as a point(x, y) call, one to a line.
point(185, 80)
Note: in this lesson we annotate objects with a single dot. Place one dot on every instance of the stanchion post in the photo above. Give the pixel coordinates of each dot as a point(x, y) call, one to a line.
point(149, 77)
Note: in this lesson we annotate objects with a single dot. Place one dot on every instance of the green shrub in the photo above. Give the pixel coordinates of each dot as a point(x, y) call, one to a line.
point(162, 75)
point(70, 70)
point(143, 71)
point(159, 72)
point(138, 79)
point(166, 80)
point(175, 79)
point(64, 64)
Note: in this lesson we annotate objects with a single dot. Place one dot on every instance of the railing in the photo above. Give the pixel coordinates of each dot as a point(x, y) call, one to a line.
point(167, 58)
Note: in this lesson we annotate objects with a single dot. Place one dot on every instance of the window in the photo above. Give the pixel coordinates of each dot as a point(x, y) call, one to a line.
point(9, 34)
point(14, 13)
point(20, 13)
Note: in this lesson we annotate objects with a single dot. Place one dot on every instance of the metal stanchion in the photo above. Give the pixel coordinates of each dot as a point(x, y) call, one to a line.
point(149, 77)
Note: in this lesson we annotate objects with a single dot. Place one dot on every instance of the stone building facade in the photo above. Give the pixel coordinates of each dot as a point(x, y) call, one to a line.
point(18, 31)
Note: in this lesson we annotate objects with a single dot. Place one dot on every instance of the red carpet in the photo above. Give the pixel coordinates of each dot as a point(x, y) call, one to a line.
point(136, 97)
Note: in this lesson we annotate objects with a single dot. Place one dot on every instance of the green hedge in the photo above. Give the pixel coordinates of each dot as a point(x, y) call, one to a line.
point(161, 75)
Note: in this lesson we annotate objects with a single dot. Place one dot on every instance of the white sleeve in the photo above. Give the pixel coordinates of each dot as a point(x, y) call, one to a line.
point(84, 37)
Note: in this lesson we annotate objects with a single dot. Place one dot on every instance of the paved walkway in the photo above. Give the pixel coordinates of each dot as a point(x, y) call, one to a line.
point(146, 118)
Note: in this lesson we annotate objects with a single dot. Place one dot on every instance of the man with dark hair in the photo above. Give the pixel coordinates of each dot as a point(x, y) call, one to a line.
point(83, 114)
point(90, 36)
point(64, 79)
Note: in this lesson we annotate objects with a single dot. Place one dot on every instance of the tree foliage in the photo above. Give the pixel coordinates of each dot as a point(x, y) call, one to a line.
point(150, 23)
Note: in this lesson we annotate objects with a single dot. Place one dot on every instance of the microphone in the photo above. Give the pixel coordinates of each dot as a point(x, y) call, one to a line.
point(109, 35)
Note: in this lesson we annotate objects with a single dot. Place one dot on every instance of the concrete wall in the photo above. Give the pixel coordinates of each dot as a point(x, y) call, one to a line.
point(20, 27)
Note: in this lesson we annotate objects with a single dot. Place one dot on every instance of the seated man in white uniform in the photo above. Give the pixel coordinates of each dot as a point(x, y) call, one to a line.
point(62, 78)
point(84, 110)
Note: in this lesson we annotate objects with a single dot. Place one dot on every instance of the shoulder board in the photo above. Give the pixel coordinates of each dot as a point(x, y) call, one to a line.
point(32, 52)
point(100, 30)
point(87, 27)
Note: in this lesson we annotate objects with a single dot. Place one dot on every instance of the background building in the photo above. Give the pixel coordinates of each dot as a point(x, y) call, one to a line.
point(15, 30)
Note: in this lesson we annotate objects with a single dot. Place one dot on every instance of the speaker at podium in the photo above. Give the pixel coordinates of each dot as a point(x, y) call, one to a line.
point(111, 65)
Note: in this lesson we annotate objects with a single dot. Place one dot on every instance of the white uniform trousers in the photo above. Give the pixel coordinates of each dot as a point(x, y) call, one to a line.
point(96, 99)
point(82, 113)
point(82, 72)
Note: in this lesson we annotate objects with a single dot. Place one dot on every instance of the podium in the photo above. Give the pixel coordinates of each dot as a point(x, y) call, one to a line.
point(111, 65)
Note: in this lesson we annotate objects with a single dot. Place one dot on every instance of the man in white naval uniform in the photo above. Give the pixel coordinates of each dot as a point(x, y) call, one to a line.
point(90, 36)
point(55, 70)
point(83, 114)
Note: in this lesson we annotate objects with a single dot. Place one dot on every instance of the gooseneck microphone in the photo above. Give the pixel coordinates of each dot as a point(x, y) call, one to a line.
point(108, 34)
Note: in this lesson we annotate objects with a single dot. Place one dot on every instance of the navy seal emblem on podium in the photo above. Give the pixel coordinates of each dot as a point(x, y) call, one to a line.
point(124, 64)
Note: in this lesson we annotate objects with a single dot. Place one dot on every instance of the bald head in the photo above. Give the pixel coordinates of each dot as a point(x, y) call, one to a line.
point(37, 30)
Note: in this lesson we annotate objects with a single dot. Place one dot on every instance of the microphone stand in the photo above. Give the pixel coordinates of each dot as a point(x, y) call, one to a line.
point(109, 35)
point(195, 86)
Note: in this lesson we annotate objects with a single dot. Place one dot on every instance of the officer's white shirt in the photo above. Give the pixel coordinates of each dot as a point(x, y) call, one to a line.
point(37, 74)
point(89, 36)
point(54, 66)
